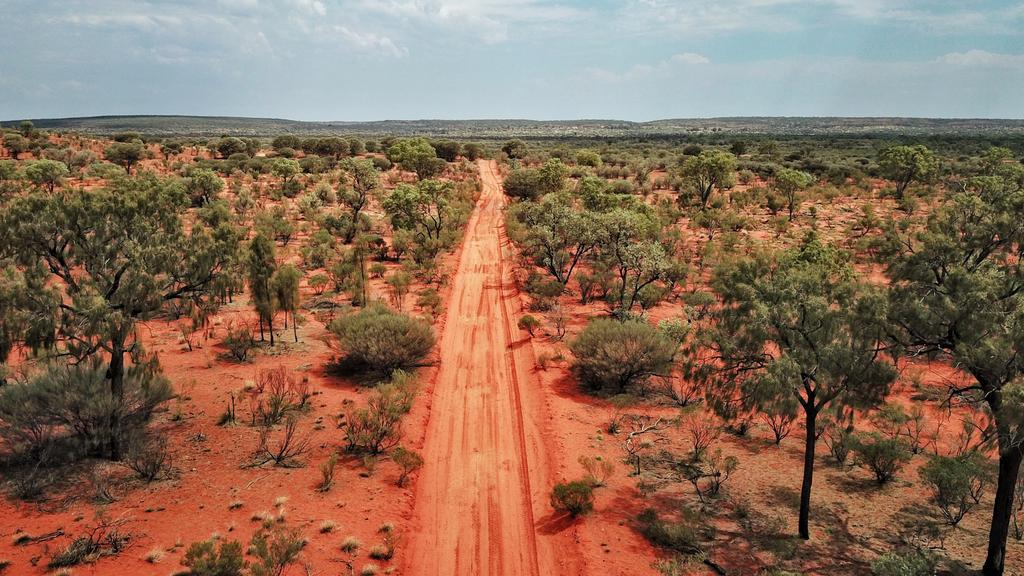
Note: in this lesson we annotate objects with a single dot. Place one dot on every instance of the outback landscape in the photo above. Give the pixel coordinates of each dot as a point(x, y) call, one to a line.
point(721, 353)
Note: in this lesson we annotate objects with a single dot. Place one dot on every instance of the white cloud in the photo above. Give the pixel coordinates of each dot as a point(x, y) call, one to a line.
point(982, 58)
point(312, 7)
point(690, 58)
point(370, 42)
point(668, 68)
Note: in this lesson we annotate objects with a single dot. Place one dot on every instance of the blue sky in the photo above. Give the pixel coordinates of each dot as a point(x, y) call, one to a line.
point(408, 59)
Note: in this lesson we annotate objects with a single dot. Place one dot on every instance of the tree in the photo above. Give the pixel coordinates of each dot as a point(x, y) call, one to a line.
point(958, 292)
point(203, 185)
point(707, 171)
point(15, 144)
point(957, 483)
point(97, 261)
point(125, 154)
point(48, 173)
point(906, 164)
point(514, 149)
point(262, 265)
point(629, 248)
point(789, 183)
point(422, 208)
point(416, 155)
point(558, 236)
point(231, 145)
point(285, 283)
point(365, 180)
point(612, 356)
point(287, 169)
point(793, 325)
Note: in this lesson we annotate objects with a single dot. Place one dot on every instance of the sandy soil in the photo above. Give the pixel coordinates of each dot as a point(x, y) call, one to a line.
point(480, 498)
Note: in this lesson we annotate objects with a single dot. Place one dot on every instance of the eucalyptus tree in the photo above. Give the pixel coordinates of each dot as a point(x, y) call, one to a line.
point(96, 262)
point(795, 328)
point(958, 292)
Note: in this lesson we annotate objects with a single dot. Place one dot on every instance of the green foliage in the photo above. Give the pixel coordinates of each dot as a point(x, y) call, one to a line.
point(957, 483)
point(794, 326)
point(912, 562)
point(884, 457)
point(528, 323)
point(532, 183)
point(707, 171)
point(46, 173)
point(416, 155)
point(379, 340)
point(261, 267)
point(574, 498)
point(119, 255)
point(274, 549)
point(203, 185)
point(683, 536)
point(407, 460)
point(557, 236)
point(76, 401)
point(789, 183)
point(214, 558)
point(612, 357)
point(906, 164)
point(126, 154)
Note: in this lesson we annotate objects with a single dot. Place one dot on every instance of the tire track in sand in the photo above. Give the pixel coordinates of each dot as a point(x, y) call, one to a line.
point(483, 451)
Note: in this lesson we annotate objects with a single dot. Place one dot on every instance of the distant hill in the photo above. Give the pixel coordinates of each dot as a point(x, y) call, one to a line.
point(212, 126)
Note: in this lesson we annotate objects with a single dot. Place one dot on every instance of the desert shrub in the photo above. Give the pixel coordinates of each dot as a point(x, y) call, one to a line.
point(575, 498)
point(274, 394)
point(76, 401)
point(408, 461)
point(683, 536)
point(213, 558)
point(612, 356)
point(379, 340)
point(275, 549)
point(529, 323)
point(957, 483)
point(884, 457)
point(239, 341)
point(104, 538)
point(149, 458)
point(376, 428)
point(284, 451)
point(327, 468)
point(905, 563)
point(598, 470)
point(838, 440)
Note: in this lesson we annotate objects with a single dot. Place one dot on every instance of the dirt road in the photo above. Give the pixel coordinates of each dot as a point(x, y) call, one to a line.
point(486, 473)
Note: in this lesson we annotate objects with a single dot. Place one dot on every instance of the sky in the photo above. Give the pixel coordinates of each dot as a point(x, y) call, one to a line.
point(470, 59)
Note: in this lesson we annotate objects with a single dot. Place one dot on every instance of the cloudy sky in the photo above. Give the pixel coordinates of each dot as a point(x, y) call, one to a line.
point(409, 59)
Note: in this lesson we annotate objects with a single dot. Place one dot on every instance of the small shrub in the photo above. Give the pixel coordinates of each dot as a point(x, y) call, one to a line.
point(884, 457)
point(149, 458)
point(957, 483)
point(530, 324)
point(350, 545)
point(327, 473)
point(381, 341)
point(369, 570)
point(408, 460)
point(905, 563)
point(239, 341)
point(326, 527)
point(683, 536)
point(210, 558)
point(154, 556)
point(598, 470)
point(576, 498)
point(613, 356)
point(274, 550)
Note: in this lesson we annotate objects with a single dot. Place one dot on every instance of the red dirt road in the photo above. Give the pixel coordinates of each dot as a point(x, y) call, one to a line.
point(486, 472)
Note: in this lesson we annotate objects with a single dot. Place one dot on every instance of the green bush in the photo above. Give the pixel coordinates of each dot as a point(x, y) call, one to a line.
point(957, 483)
point(884, 457)
point(75, 401)
point(207, 559)
point(613, 356)
point(576, 498)
point(379, 340)
point(529, 323)
point(683, 536)
point(904, 563)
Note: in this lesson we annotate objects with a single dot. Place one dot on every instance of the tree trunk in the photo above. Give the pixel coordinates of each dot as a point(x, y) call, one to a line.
point(295, 327)
point(811, 439)
point(270, 327)
point(1002, 510)
point(115, 373)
